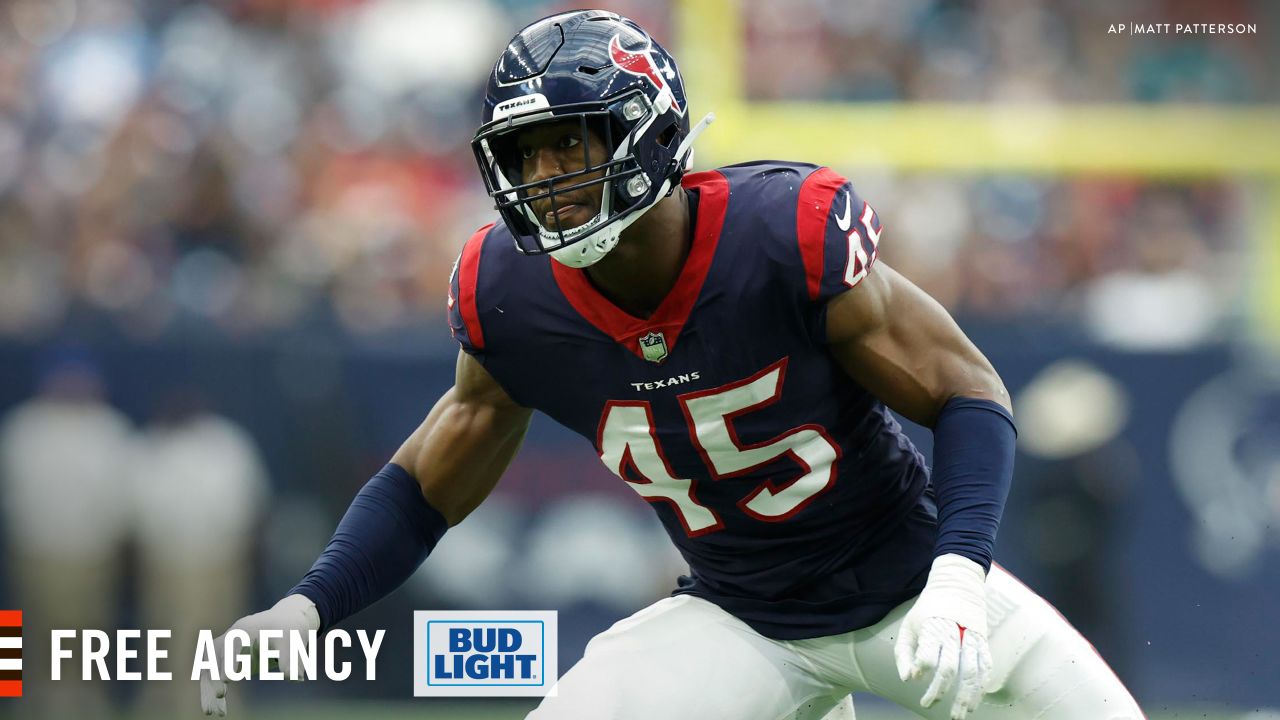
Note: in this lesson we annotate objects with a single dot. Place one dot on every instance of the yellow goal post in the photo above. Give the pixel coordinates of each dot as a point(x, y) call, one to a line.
point(1157, 141)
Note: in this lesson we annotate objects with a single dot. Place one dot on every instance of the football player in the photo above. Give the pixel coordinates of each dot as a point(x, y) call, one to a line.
point(732, 346)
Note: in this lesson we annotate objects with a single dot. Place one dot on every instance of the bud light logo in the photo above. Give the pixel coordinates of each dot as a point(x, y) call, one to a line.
point(484, 654)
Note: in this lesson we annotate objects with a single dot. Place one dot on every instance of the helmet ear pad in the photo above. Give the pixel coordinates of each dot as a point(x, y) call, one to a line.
point(655, 151)
point(652, 143)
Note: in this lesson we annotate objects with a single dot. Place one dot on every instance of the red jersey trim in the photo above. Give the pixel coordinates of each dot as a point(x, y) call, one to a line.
point(468, 276)
point(672, 314)
point(812, 210)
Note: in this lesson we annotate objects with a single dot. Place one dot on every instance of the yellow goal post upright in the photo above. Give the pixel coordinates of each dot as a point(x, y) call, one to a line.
point(1157, 141)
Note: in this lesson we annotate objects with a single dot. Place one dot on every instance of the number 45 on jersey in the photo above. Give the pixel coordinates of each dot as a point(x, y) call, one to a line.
point(628, 439)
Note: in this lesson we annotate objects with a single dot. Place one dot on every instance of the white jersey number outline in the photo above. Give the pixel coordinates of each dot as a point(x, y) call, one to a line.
point(627, 438)
point(858, 262)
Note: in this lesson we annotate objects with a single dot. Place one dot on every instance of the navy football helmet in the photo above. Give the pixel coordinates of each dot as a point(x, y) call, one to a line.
point(608, 74)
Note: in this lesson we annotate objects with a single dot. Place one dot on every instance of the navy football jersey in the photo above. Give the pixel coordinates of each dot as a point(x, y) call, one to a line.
point(791, 491)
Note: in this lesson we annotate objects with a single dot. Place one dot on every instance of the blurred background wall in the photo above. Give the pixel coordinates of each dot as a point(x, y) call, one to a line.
point(226, 229)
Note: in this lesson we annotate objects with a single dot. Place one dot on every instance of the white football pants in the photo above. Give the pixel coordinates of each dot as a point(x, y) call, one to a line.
point(685, 658)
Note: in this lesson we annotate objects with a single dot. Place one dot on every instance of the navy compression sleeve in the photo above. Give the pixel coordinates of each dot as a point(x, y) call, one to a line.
point(973, 446)
point(386, 534)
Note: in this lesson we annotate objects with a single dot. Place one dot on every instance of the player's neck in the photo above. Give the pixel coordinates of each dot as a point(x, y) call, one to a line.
point(642, 269)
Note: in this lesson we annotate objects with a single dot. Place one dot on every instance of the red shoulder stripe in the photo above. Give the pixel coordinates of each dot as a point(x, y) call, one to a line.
point(468, 276)
point(816, 193)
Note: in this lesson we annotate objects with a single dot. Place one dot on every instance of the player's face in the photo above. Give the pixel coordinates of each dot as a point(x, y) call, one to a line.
point(554, 149)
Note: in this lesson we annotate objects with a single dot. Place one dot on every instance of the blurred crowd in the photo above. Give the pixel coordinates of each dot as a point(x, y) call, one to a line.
point(243, 167)
point(1016, 246)
point(1007, 51)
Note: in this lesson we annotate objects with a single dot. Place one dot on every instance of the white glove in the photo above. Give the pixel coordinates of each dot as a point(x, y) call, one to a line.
point(294, 612)
point(945, 633)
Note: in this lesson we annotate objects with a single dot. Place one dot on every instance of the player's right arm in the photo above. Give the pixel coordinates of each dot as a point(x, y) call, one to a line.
point(446, 468)
point(466, 442)
point(442, 472)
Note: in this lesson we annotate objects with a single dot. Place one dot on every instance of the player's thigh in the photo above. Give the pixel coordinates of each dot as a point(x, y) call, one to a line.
point(841, 709)
point(684, 657)
point(1043, 668)
point(1052, 671)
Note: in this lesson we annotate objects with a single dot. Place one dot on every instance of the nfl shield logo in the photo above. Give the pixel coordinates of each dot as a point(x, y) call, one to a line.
point(654, 347)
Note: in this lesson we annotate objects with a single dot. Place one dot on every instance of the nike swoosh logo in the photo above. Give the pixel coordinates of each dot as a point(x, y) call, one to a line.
point(845, 220)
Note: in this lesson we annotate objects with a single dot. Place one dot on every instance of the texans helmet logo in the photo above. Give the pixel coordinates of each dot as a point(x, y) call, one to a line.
point(641, 63)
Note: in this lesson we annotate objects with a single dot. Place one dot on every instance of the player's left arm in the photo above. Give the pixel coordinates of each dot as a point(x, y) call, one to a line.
point(902, 346)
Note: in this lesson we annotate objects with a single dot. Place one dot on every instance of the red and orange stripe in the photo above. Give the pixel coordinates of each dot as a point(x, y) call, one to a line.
point(10, 653)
